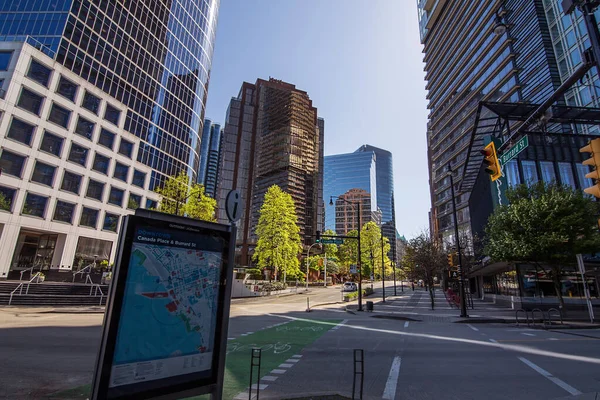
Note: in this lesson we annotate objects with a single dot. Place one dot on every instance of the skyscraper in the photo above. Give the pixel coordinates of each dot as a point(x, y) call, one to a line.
point(152, 56)
point(210, 156)
point(273, 136)
point(346, 215)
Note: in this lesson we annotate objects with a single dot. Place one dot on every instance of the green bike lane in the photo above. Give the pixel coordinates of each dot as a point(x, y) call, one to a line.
point(278, 343)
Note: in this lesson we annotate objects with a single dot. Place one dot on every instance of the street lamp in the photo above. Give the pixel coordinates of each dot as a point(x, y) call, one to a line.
point(500, 27)
point(177, 201)
point(358, 263)
point(463, 304)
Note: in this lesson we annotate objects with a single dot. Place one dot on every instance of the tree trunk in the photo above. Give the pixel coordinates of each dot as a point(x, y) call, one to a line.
point(558, 288)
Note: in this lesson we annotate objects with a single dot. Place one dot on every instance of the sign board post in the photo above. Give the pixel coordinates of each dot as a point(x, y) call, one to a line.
point(166, 322)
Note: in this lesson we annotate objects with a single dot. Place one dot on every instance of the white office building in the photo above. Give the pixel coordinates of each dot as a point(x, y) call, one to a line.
point(68, 168)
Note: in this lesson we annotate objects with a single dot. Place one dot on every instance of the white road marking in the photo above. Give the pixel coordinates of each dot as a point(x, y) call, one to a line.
point(297, 356)
point(269, 378)
point(230, 338)
point(292, 360)
point(493, 341)
point(389, 392)
point(527, 334)
point(279, 371)
point(472, 327)
point(338, 326)
point(548, 375)
point(406, 324)
point(286, 365)
point(260, 386)
point(553, 338)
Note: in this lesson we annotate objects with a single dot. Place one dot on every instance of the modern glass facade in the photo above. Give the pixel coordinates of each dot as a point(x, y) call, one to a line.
point(466, 62)
point(343, 172)
point(153, 56)
point(209, 157)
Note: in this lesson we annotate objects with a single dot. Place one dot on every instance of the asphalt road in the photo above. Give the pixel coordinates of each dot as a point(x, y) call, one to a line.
point(429, 356)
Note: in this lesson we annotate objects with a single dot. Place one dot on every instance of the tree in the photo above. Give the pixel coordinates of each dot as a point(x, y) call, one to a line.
point(544, 224)
point(424, 259)
point(370, 243)
point(5, 203)
point(279, 243)
point(347, 253)
point(179, 198)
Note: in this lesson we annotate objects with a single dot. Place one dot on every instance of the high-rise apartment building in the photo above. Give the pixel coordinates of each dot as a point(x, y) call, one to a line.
point(272, 136)
point(370, 169)
point(346, 211)
point(210, 156)
point(99, 102)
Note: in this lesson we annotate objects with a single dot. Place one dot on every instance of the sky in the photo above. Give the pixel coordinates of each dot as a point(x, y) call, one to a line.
point(360, 62)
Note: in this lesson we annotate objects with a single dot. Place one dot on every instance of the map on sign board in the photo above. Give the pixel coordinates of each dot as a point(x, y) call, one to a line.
point(169, 309)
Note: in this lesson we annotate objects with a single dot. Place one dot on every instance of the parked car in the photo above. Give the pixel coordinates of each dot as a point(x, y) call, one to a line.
point(350, 287)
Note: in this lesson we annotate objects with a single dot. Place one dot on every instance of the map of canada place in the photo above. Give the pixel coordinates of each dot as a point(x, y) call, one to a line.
point(169, 312)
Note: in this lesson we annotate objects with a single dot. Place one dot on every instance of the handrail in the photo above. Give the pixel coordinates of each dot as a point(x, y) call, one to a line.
point(30, 269)
point(517, 316)
point(86, 269)
point(550, 316)
point(20, 287)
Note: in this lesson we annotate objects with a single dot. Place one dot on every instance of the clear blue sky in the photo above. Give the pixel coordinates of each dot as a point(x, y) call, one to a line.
point(361, 64)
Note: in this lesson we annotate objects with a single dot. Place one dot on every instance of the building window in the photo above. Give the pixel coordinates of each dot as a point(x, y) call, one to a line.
point(84, 128)
point(101, 164)
point(30, 101)
point(7, 198)
point(139, 178)
point(71, 182)
point(512, 173)
point(566, 174)
point(111, 221)
point(89, 217)
point(121, 172)
point(21, 131)
point(35, 205)
point(116, 196)
point(78, 154)
point(39, 73)
point(106, 139)
point(548, 174)
point(151, 204)
point(5, 57)
point(64, 211)
point(112, 114)
point(67, 89)
point(530, 174)
point(582, 171)
point(59, 115)
point(134, 201)
point(11, 163)
point(51, 144)
point(91, 102)
point(95, 190)
point(43, 173)
point(125, 148)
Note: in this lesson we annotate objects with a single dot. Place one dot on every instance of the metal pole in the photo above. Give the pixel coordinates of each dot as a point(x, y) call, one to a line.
point(359, 264)
point(593, 33)
point(382, 269)
point(463, 304)
point(586, 291)
point(325, 274)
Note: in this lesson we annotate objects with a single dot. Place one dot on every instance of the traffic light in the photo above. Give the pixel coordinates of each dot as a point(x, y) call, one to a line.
point(593, 147)
point(451, 259)
point(490, 161)
point(318, 238)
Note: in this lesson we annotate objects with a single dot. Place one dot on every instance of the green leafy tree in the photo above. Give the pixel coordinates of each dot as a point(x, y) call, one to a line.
point(424, 259)
point(347, 253)
point(370, 243)
point(279, 243)
point(179, 198)
point(543, 224)
point(5, 203)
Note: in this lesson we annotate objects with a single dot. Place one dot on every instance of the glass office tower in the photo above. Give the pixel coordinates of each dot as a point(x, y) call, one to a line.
point(153, 56)
point(210, 157)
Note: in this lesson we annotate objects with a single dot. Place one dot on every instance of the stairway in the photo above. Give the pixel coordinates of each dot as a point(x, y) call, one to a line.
point(52, 294)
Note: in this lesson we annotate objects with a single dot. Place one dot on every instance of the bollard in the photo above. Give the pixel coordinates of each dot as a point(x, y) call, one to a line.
point(369, 306)
point(307, 304)
point(255, 362)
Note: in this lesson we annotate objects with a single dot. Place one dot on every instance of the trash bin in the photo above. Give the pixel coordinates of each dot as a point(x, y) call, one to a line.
point(369, 306)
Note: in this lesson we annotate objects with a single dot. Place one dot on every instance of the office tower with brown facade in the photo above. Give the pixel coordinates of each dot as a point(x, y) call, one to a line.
point(272, 136)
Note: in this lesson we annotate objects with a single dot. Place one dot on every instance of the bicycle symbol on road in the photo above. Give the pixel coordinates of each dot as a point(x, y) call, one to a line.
point(278, 348)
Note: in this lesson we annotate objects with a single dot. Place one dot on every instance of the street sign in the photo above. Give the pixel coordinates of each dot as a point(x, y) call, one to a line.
point(353, 269)
point(514, 151)
point(233, 206)
point(332, 241)
point(165, 327)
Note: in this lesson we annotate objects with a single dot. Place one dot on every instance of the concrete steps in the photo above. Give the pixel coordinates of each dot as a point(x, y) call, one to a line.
point(52, 294)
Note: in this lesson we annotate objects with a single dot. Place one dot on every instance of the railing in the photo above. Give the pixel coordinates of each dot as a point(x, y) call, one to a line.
point(541, 313)
point(95, 289)
point(550, 316)
point(30, 269)
point(82, 271)
point(517, 316)
point(19, 288)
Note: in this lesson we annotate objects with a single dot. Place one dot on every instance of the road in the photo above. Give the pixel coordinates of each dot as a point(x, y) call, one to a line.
point(410, 352)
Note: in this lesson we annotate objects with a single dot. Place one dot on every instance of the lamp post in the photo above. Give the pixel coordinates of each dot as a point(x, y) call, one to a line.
point(307, 254)
point(183, 201)
point(463, 304)
point(358, 263)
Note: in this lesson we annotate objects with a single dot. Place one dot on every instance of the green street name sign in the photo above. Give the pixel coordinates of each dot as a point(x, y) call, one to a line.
point(332, 241)
point(514, 151)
